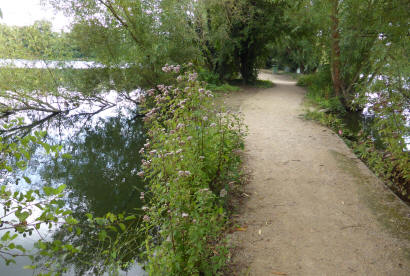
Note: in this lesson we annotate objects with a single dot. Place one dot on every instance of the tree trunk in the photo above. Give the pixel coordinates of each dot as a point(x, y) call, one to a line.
point(335, 54)
point(302, 68)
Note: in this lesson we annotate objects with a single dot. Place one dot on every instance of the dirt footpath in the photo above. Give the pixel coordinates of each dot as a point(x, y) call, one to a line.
point(312, 207)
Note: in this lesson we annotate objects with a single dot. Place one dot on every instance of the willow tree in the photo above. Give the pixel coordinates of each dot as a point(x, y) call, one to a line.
point(227, 37)
point(354, 39)
point(363, 34)
point(234, 35)
point(144, 35)
point(366, 49)
point(302, 42)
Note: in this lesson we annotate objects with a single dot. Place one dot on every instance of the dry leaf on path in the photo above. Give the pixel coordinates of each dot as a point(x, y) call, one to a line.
point(279, 273)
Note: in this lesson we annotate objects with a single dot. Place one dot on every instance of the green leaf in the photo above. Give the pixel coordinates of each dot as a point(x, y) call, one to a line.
point(6, 236)
point(10, 261)
point(21, 248)
point(130, 217)
point(122, 226)
point(49, 190)
point(61, 188)
point(22, 216)
point(66, 156)
point(102, 235)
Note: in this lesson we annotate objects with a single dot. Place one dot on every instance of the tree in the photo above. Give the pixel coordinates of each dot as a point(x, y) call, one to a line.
point(346, 35)
point(233, 35)
point(143, 35)
point(301, 42)
point(228, 37)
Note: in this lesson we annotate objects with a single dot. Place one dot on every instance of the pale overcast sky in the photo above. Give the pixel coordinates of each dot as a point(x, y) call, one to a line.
point(25, 12)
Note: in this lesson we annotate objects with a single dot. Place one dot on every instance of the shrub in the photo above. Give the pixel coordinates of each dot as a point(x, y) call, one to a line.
point(191, 156)
point(222, 88)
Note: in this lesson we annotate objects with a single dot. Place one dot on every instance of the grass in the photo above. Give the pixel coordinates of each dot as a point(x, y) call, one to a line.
point(257, 83)
point(263, 84)
point(226, 87)
point(234, 86)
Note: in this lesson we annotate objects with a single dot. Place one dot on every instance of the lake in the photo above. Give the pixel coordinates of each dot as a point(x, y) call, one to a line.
point(103, 132)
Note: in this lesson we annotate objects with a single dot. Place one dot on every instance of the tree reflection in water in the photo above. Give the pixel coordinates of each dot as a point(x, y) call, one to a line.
point(93, 114)
point(101, 178)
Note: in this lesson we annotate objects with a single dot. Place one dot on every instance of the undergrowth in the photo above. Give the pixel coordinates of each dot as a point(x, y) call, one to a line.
point(226, 87)
point(191, 160)
point(256, 83)
point(389, 161)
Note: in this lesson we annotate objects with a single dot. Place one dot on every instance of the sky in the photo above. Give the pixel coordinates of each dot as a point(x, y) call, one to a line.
point(25, 12)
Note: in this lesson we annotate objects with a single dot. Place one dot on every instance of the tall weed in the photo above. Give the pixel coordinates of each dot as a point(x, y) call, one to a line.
point(190, 159)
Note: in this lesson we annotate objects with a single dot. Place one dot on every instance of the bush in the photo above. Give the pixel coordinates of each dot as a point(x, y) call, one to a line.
point(264, 84)
point(319, 86)
point(208, 76)
point(192, 155)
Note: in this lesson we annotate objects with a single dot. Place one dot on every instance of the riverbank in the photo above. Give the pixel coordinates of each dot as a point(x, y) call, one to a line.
point(312, 207)
point(378, 134)
point(191, 161)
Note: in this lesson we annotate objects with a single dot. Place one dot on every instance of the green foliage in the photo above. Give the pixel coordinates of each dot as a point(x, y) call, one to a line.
point(37, 41)
point(141, 34)
point(251, 26)
point(300, 44)
point(227, 37)
point(28, 211)
point(191, 156)
point(25, 212)
point(392, 167)
point(390, 159)
point(209, 77)
point(320, 81)
point(223, 88)
point(358, 39)
point(214, 83)
point(320, 91)
point(263, 84)
point(373, 73)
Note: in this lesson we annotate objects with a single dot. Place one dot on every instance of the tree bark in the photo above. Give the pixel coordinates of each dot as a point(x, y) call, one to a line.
point(335, 54)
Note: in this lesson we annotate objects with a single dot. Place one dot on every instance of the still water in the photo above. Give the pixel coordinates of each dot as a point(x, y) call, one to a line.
point(101, 176)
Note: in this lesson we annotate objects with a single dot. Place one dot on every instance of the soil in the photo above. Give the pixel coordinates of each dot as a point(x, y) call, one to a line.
point(311, 207)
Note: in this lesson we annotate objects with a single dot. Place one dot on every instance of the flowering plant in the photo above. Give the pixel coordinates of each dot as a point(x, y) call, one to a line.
point(190, 157)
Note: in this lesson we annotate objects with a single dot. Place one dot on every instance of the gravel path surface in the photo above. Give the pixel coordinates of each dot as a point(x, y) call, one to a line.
point(313, 207)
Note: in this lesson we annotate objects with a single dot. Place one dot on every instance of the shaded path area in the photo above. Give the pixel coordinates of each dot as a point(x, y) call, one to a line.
point(312, 207)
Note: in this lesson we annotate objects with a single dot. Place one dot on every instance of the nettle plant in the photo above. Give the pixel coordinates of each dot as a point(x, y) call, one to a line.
point(191, 160)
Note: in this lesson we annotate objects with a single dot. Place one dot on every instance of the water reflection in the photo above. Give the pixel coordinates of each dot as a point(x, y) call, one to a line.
point(101, 178)
point(39, 95)
point(365, 121)
point(103, 132)
point(102, 170)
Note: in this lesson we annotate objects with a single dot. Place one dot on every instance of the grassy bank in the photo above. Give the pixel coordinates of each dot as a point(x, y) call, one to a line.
point(388, 159)
point(191, 161)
